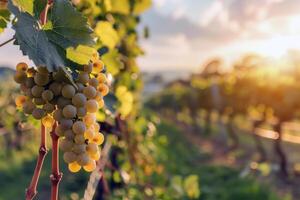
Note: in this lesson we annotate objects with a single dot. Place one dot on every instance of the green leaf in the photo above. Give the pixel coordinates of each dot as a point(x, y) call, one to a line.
point(70, 27)
point(4, 19)
point(107, 34)
point(141, 5)
point(47, 45)
point(33, 41)
point(25, 5)
point(81, 54)
point(112, 62)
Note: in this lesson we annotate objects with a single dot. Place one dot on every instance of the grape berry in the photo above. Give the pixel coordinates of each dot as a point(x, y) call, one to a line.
point(50, 96)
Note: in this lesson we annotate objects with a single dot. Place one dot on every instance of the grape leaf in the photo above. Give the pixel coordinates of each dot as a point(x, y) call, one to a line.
point(47, 45)
point(4, 19)
point(141, 5)
point(107, 34)
point(69, 27)
point(81, 54)
point(33, 41)
point(120, 7)
point(33, 7)
point(24, 5)
point(112, 61)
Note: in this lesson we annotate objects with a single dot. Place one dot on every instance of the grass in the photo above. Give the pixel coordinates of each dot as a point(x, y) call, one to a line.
point(216, 182)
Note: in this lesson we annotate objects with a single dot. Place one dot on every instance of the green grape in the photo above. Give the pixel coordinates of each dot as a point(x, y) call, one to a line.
point(47, 95)
point(62, 102)
point(66, 145)
point(83, 159)
point(66, 123)
point(98, 138)
point(89, 134)
point(20, 77)
point(38, 113)
point(98, 67)
point(68, 91)
point(23, 87)
point(74, 167)
point(80, 87)
point(29, 82)
point(43, 70)
point(20, 100)
point(89, 119)
point(37, 91)
point(79, 139)
point(41, 79)
point(69, 111)
point(22, 67)
point(48, 121)
point(91, 166)
point(89, 92)
point(81, 112)
point(100, 103)
point(70, 157)
point(103, 89)
point(55, 88)
point(101, 78)
point(98, 96)
point(92, 106)
point(92, 148)
point(79, 148)
point(59, 76)
point(79, 100)
point(95, 156)
point(79, 127)
point(96, 127)
point(83, 77)
point(58, 114)
point(88, 68)
point(49, 108)
point(28, 107)
point(28, 93)
point(38, 101)
point(94, 82)
point(59, 131)
point(30, 72)
point(69, 134)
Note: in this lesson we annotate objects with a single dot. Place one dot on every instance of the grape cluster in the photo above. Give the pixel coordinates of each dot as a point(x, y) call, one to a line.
point(50, 97)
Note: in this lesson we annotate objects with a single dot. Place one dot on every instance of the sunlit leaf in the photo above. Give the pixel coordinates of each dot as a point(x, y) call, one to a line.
point(25, 5)
point(112, 62)
point(81, 54)
point(191, 186)
point(141, 6)
point(107, 34)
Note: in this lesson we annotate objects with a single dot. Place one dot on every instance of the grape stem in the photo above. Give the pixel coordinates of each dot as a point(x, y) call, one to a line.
point(44, 13)
point(56, 175)
point(31, 190)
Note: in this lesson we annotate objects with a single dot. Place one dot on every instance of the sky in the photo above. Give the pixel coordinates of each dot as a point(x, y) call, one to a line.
point(185, 33)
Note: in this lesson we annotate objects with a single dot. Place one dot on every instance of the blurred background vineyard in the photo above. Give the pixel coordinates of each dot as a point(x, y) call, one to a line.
point(210, 102)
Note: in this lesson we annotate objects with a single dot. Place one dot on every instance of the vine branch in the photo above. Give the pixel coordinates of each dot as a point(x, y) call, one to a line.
point(6, 42)
point(44, 13)
point(56, 175)
point(98, 173)
point(31, 191)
